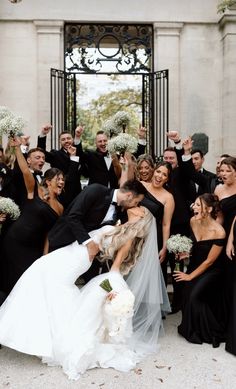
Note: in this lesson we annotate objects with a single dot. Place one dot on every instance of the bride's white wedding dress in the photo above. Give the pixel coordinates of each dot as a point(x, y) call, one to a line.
point(48, 316)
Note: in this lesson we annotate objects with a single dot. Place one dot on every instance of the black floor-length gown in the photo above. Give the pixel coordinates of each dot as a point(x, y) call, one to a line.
point(200, 320)
point(228, 206)
point(230, 345)
point(24, 241)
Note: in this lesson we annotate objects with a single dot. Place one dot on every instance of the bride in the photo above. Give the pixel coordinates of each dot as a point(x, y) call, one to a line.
point(48, 316)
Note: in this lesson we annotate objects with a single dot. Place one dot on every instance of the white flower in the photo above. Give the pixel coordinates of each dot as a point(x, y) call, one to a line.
point(122, 143)
point(9, 207)
point(121, 119)
point(118, 314)
point(121, 305)
point(179, 244)
point(4, 111)
point(10, 124)
point(110, 128)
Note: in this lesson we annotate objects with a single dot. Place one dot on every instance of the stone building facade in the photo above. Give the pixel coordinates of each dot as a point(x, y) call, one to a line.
point(191, 39)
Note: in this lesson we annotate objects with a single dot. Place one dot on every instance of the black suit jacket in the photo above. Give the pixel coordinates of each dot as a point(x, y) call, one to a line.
point(94, 167)
point(203, 179)
point(57, 158)
point(84, 214)
point(60, 159)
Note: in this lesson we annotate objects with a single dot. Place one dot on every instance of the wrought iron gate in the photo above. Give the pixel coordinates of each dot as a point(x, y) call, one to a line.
point(155, 107)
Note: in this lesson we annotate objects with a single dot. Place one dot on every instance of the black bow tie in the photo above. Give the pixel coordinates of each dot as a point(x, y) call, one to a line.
point(38, 173)
point(103, 154)
point(114, 203)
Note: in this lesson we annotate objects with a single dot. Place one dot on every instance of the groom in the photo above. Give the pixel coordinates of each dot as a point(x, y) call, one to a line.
point(93, 207)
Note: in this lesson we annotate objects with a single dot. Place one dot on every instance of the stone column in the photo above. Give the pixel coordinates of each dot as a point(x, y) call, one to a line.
point(228, 28)
point(167, 56)
point(49, 55)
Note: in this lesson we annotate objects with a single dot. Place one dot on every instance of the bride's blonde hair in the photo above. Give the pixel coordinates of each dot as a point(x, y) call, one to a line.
point(136, 231)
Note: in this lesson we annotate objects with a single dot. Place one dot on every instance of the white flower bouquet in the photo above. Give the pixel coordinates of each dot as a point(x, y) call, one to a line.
point(122, 143)
point(10, 124)
point(9, 207)
point(4, 111)
point(110, 128)
point(118, 313)
point(181, 246)
point(121, 120)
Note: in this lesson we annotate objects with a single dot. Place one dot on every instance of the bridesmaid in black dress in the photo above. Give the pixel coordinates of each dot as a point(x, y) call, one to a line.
point(26, 239)
point(227, 196)
point(230, 345)
point(200, 322)
point(158, 200)
point(160, 203)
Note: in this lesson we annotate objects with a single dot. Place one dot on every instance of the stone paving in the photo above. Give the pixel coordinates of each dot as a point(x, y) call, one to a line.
point(178, 364)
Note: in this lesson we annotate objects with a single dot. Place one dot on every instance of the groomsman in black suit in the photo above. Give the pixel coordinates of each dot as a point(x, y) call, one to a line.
point(36, 160)
point(93, 207)
point(98, 164)
point(198, 160)
point(66, 159)
point(179, 187)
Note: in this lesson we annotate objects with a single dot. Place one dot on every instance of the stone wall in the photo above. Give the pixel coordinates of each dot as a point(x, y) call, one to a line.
point(195, 43)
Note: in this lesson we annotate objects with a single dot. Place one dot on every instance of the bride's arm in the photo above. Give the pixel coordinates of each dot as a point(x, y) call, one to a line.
point(121, 254)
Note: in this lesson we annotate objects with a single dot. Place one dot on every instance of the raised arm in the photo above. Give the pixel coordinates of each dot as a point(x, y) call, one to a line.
point(28, 176)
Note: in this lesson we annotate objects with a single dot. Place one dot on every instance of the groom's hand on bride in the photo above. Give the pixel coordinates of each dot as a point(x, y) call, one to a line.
point(93, 249)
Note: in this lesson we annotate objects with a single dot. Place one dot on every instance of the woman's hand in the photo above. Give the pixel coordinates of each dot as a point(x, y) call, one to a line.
point(180, 276)
point(111, 295)
point(181, 256)
point(162, 254)
point(3, 217)
point(230, 250)
point(14, 142)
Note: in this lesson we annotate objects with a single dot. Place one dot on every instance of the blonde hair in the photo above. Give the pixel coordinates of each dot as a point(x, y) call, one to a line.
point(10, 157)
point(136, 232)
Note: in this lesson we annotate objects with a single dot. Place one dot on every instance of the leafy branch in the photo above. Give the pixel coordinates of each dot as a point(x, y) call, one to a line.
point(224, 5)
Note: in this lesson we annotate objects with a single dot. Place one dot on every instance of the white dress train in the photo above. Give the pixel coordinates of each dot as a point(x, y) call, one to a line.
point(48, 316)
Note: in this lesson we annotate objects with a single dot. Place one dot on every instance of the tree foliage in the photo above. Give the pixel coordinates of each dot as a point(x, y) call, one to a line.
point(104, 107)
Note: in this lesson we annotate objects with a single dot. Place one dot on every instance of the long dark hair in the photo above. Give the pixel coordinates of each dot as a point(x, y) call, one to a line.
point(50, 174)
point(211, 200)
point(229, 161)
point(169, 168)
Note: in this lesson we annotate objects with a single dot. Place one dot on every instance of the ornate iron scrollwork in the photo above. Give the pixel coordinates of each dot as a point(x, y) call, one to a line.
point(89, 47)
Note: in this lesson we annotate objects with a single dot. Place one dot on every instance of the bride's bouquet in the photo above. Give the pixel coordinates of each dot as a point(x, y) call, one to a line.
point(181, 246)
point(118, 312)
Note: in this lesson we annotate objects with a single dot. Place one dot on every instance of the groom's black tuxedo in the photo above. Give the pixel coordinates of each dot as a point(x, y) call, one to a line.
point(84, 214)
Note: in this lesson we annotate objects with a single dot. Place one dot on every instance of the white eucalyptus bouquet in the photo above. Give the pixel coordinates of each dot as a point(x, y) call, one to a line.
point(10, 124)
point(122, 143)
point(9, 207)
point(118, 313)
point(121, 120)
